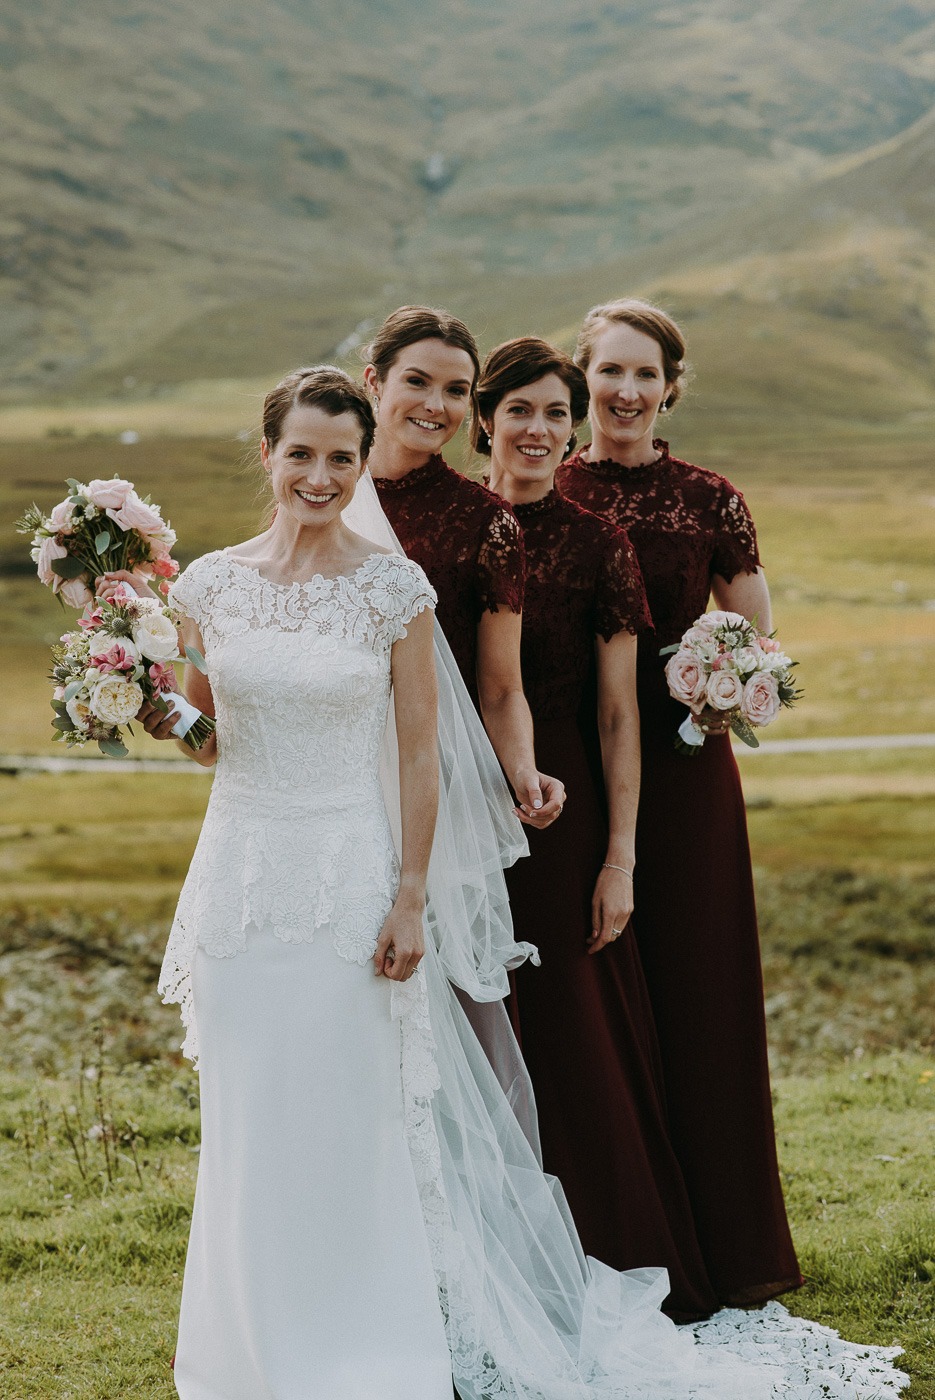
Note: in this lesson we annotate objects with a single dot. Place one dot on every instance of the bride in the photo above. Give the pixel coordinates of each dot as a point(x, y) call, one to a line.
point(370, 1218)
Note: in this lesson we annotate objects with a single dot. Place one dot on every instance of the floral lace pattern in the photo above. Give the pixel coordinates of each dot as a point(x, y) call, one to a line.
point(469, 544)
point(582, 581)
point(686, 525)
point(296, 835)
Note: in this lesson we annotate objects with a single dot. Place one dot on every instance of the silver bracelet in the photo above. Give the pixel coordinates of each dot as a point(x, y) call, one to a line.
point(607, 866)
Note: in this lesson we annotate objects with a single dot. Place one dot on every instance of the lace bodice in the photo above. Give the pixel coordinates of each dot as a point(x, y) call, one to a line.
point(296, 834)
point(469, 544)
point(686, 525)
point(582, 582)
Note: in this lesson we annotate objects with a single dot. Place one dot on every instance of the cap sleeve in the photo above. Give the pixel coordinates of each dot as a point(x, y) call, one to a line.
point(735, 546)
point(620, 598)
point(400, 592)
point(501, 563)
point(187, 593)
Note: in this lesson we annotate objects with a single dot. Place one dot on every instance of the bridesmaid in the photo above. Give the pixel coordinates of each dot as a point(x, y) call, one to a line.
point(695, 914)
point(422, 376)
point(584, 1019)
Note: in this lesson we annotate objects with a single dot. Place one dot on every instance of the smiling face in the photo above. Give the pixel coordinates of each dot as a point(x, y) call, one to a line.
point(627, 386)
point(528, 434)
point(315, 464)
point(425, 396)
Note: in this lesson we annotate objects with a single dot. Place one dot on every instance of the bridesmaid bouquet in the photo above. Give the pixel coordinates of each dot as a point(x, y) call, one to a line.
point(725, 663)
point(120, 655)
point(99, 527)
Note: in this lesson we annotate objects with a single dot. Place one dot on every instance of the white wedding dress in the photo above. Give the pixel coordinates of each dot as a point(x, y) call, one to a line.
point(369, 1218)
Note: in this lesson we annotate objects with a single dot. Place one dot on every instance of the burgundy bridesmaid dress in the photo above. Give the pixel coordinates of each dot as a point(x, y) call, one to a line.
point(695, 916)
point(468, 542)
point(584, 1020)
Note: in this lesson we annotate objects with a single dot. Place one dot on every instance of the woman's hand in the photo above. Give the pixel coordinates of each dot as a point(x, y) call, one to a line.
point(711, 721)
point(611, 908)
point(157, 722)
point(106, 586)
point(401, 945)
point(549, 793)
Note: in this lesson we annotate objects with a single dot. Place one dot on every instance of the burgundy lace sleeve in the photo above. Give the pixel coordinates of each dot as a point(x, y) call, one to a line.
point(501, 564)
point(735, 547)
point(620, 599)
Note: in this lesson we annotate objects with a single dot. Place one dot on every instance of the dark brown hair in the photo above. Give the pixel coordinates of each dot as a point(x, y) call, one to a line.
point(652, 321)
point(513, 365)
point(408, 324)
point(321, 386)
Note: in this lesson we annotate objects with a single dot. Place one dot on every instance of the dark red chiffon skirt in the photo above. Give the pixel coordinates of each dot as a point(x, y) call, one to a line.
point(586, 1029)
point(696, 928)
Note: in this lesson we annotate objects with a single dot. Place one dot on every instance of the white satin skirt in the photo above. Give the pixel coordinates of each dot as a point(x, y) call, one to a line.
point(308, 1274)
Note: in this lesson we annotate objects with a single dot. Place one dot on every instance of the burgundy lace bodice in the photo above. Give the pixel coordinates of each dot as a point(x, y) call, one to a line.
point(468, 542)
point(582, 581)
point(686, 525)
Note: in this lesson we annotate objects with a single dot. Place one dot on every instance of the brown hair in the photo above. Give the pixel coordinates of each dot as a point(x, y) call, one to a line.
point(519, 362)
point(652, 321)
point(406, 325)
point(321, 386)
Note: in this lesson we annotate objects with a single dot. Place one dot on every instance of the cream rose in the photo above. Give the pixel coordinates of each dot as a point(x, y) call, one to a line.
point(48, 550)
point(115, 700)
point(724, 690)
point(686, 677)
point(760, 703)
point(109, 495)
point(156, 637)
point(135, 514)
point(75, 592)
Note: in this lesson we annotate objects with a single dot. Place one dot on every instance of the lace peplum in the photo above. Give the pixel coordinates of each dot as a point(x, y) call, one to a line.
point(296, 834)
point(582, 582)
point(469, 544)
point(686, 525)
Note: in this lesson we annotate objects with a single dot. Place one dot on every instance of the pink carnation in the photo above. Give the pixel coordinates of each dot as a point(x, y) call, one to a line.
point(760, 703)
point(109, 495)
point(48, 550)
point(135, 514)
point(686, 677)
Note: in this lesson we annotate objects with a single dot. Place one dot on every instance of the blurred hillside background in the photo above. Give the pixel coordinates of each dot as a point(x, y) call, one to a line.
point(197, 197)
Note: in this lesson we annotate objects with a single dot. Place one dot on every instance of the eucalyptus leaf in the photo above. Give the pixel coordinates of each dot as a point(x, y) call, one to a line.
point(745, 734)
point(63, 722)
point(113, 748)
point(102, 541)
point(193, 655)
point(59, 707)
point(69, 567)
point(72, 690)
point(670, 651)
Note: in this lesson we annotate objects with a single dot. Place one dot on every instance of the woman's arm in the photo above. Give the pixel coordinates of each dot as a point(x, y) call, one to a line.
point(507, 719)
point(748, 595)
point(197, 691)
point(400, 947)
point(619, 726)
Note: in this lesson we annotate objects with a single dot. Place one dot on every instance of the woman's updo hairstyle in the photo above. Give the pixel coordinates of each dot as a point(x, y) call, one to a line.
point(651, 321)
point(408, 324)
point(513, 365)
point(325, 387)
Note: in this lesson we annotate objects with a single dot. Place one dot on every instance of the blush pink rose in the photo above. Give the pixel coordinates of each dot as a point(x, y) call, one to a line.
point(109, 495)
point(135, 514)
point(760, 703)
point(724, 690)
point(75, 592)
point(686, 677)
point(62, 519)
point(768, 644)
point(48, 550)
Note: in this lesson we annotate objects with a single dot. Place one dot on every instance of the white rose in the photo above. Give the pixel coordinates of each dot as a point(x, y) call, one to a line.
point(156, 637)
point(79, 712)
point(115, 700)
point(724, 690)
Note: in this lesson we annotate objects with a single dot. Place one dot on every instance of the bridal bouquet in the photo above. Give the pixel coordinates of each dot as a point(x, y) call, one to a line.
point(99, 527)
point(724, 663)
point(121, 654)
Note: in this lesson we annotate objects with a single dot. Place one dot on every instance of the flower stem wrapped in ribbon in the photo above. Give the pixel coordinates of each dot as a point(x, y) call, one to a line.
point(725, 667)
point(98, 528)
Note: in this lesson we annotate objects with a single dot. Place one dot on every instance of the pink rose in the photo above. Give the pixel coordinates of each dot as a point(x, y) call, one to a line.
point(109, 495)
point(164, 568)
point(722, 619)
point(760, 703)
point(768, 644)
point(75, 592)
point(724, 690)
point(61, 518)
point(135, 514)
point(48, 550)
point(686, 677)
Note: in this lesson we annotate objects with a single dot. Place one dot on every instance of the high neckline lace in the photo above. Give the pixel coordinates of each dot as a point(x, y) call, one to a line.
point(419, 476)
point(608, 467)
